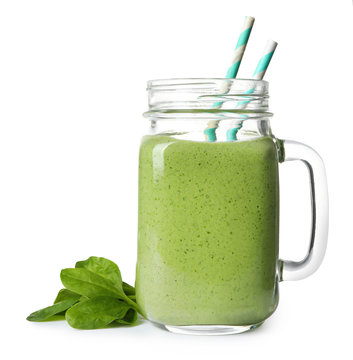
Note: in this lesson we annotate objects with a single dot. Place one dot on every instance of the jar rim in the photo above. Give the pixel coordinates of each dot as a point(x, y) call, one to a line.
point(207, 97)
point(199, 80)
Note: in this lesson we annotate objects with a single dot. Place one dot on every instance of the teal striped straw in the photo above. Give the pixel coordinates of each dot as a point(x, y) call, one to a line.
point(259, 74)
point(210, 131)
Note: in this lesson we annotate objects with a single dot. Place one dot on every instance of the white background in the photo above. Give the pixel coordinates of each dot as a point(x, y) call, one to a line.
point(72, 90)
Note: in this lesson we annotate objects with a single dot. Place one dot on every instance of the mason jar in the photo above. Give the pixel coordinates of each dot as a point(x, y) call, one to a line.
point(208, 225)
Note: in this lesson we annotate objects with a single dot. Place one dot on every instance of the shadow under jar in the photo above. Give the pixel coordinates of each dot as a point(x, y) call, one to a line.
point(209, 207)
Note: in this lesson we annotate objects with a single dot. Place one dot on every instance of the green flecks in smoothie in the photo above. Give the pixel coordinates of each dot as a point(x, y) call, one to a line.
point(208, 231)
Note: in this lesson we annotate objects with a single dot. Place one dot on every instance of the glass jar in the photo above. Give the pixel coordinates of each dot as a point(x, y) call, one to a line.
point(209, 207)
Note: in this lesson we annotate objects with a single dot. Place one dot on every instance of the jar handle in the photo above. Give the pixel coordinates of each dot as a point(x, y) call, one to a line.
point(296, 270)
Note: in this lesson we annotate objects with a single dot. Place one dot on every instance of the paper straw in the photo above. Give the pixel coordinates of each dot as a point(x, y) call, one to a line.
point(240, 47)
point(258, 74)
point(212, 125)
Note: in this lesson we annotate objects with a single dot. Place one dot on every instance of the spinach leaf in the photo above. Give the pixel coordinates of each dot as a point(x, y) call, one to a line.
point(87, 283)
point(129, 318)
point(108, 270)
point(103, 267)
point(65, 294)
point(128, 289)
point(58, 308)
point(100, 311)
point(90, 284)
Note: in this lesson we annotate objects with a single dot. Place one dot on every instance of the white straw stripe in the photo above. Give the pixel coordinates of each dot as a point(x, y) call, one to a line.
point(238, 54)
point(259, 76)
point(249, 22)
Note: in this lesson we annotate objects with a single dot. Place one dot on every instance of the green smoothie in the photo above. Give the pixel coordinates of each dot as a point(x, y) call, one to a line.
point(208, 231)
